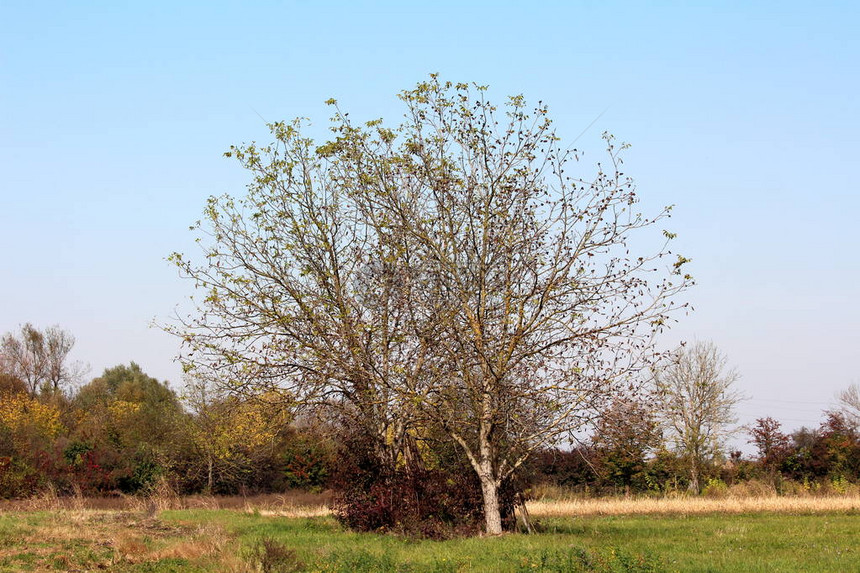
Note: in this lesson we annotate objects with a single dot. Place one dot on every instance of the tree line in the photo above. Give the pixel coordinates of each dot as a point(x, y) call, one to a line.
point(124, 432)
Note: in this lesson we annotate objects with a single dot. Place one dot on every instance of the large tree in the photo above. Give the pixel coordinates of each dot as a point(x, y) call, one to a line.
point(448, 271)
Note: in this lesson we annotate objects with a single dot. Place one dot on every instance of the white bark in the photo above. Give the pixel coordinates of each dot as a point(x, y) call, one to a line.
point(492, 511)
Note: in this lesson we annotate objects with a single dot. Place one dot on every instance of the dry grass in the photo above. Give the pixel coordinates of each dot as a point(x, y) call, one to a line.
point(89, 540)
point(76, 533)
point(302, 505)
point(69, 539)
point(691, 505)
point(295, 511)
point(204, 541)
point(48, 500)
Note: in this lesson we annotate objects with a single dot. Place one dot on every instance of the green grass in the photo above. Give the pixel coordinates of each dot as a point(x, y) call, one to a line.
point(222, 540)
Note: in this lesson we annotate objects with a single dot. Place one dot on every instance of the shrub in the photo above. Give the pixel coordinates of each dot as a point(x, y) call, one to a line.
point(308, 459)
point(17, 478)
point(753, 488)
point(438, 502)
point(433, 504)
point(715, 488)
point(566, 468)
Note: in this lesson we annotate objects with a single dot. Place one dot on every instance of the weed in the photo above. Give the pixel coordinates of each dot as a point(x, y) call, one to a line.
point(271, 556)
point(445, 565)
point(161, 566)
point(363, 561)
point(716, 488)
point(579, 560)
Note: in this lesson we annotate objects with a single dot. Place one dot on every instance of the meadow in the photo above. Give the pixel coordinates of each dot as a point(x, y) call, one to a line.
point(276, 535)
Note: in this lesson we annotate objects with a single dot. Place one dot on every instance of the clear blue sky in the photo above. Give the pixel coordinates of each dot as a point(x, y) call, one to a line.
point(743, 115)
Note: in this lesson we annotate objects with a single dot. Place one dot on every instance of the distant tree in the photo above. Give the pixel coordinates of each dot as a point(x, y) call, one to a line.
point(230, 435)
point(138, 408)
point(28, 429)
point(831, 450)
point(624, 436)
point(849, 401)
point(40, 358)
point(132, 419)
point(773, 446)
point(447, 272)
point(570, 468)
point(24, 356)
point(59, 371)
point(697, 400)
point(32, 424)
point(841, 446)
point(310, 451)
point(10, 384)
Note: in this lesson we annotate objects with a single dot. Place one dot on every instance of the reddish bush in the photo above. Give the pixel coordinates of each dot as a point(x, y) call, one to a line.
point(413, 501)
point(17, 478)
point(432, 504)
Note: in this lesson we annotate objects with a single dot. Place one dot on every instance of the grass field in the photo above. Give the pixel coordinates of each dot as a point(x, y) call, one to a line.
point(814, 538)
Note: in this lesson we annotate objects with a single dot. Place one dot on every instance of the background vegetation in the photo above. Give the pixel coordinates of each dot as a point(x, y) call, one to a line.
point(125, 433)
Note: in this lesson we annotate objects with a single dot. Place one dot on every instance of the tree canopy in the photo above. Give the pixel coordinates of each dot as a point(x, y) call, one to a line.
point(452, 271)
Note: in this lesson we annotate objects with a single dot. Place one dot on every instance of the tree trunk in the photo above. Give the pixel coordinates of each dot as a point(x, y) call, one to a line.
point(694, 477)
point(209, 476)
point(492, 513)
point(527, 520)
